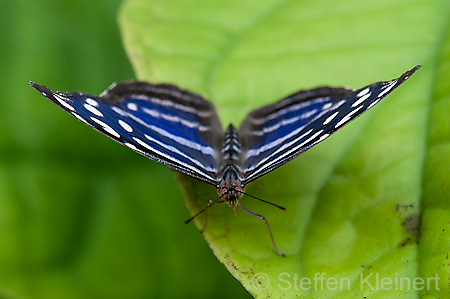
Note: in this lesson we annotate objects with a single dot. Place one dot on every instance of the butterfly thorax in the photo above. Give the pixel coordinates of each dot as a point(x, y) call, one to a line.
point(230, 188)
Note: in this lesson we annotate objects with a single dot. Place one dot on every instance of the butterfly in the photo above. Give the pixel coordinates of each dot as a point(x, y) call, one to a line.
point(182, 131)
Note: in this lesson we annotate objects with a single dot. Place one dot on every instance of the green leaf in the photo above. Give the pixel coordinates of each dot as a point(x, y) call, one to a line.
point(369, 203)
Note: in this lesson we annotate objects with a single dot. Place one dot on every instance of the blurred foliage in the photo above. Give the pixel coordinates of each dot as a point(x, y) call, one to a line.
point(81, 216)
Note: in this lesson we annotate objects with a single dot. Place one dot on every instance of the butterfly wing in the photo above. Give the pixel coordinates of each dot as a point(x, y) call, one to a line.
point(174, 127)
point(276, 134)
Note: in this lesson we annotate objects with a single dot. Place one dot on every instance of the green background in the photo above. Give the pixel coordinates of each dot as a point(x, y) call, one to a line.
point(81, 216)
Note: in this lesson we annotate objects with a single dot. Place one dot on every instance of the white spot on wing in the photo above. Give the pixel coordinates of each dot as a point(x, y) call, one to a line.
point(362, 99)
point(132, 106)
point(92, 102)
point(323, 137)
point(129, 145)
point(330, 118)
point(151, 112)
point(308, 114)
point(326, 106)
point(276, 126)
point(348, 116)
point(119, 111)
point(106, 127)
point(387, 88)
point(176, 119)
point(62, 101)
point(79, 117)
point(171, 118)
point(126, 126)
point(363, 92)
point(144, 144)
point(338, 104)
point(373, 104)
point(93, 110)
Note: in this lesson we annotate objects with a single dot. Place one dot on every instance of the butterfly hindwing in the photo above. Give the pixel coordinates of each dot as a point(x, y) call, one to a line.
point(174, 127)
point(277, 133)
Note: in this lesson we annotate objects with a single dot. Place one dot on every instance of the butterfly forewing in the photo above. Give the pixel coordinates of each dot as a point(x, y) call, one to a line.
point(276, 134)
point(182, 131)
point(277, 124)
point(176, 128)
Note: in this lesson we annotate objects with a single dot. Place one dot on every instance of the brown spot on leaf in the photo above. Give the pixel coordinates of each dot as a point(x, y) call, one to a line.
point(412, 224)
point(403, 207)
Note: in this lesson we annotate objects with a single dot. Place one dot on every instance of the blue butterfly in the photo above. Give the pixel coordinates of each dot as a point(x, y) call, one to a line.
point(181, 130)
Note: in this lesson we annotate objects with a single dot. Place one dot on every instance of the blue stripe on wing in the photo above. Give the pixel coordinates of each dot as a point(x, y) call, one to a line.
point(276, 134)
point(280, 125)
point(170, 126)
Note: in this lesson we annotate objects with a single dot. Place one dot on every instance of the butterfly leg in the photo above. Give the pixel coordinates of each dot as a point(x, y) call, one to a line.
point(267, 225)
point(208, 205)
point(210, 202)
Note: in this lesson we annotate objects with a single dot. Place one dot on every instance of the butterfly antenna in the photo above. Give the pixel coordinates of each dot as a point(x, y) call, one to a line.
point(204, 209)
point(265, 201)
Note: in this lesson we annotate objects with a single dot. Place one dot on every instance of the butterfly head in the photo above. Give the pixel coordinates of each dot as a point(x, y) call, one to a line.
point(231, 192)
